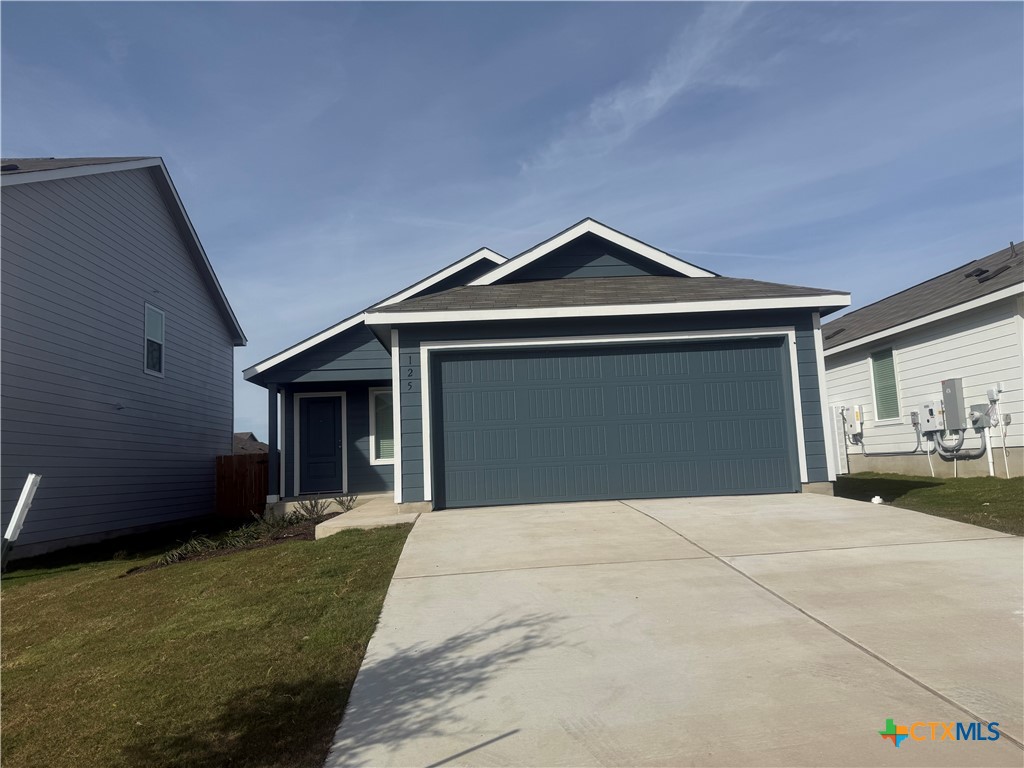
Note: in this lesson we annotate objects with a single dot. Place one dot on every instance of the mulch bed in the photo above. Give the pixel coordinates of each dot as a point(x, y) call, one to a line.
point(304, 531)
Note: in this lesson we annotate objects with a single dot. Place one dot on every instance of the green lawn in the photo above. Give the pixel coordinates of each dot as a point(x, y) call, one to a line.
point(245, 659)
point(990, 502)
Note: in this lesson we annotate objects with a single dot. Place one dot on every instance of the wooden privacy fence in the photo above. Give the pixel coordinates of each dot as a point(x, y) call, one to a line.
point(241, 484)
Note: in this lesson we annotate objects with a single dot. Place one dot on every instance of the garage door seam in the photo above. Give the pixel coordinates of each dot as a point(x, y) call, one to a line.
point(837, 632)
point(557, 565)
point(867, 546)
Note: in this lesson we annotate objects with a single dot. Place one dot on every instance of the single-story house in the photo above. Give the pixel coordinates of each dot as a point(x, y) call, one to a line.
point(891, 357)
point(118, 346)
point(591, 366)
point(247, 442)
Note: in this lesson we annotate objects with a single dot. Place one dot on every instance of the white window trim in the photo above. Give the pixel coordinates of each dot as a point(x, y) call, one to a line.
point(874, 397)
point(374, 459)
point(145, 341)
point(396, 404)
point(434, 346)
point(297, 442)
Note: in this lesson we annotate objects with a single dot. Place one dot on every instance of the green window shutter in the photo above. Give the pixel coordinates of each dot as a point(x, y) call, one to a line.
point(384, 433)
point(887, 403)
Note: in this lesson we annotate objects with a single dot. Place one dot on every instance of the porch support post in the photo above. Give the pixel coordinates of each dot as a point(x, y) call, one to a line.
point(273, 455)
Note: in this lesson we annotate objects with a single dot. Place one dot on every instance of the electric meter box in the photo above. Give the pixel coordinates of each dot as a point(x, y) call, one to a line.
point(931, 417)
point(855, 419)
point(953, 404)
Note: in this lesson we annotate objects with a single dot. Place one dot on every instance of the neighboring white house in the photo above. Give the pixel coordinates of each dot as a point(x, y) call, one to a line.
point(890, 358)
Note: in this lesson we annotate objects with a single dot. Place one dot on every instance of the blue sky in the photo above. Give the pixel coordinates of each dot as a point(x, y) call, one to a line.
point(330, 154)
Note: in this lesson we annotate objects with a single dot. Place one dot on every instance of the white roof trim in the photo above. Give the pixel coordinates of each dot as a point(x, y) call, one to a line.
point(302, 346)
point(344, 325)
point(967, 306)
point(78, 170)
point(599, 229)
point(199, 247)
point(131, 165)
point(444, 274)
point(732, 305)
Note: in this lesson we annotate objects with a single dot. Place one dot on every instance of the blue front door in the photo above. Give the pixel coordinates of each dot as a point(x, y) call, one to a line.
point(321, 445)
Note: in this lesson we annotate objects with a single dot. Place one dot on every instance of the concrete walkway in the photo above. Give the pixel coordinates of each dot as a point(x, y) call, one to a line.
point(757, 631)
point(376, 511)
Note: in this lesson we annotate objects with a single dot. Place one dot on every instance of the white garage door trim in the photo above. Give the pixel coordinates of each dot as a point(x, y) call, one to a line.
point(426, 347)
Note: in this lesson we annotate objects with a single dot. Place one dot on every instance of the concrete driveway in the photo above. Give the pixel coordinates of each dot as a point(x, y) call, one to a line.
point(760, 631)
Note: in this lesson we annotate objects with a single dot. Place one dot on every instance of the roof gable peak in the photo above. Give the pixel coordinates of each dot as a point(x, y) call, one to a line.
point(662, 261)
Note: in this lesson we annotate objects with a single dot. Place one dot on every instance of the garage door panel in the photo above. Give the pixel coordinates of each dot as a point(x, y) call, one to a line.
point(658, 420)
point(584, 402)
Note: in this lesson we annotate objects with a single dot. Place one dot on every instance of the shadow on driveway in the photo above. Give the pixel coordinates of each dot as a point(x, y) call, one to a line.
point(409, 693)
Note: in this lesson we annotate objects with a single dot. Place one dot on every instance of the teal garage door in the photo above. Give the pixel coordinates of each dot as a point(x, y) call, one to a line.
point(613, 422)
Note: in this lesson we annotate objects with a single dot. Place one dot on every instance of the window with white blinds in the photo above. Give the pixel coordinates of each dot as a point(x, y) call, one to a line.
point(883, 372)
point(382, 432)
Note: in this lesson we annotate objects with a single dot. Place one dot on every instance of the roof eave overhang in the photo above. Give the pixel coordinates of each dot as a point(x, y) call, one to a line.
point(29, 177)
point(830, 301)
point(967, 306)
point(172, 200)
point(591, 226)
point(263, 366)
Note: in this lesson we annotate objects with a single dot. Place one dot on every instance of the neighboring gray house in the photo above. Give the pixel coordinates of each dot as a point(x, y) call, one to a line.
point(247, 442)
point(890, 358)
point(591, 366)
point(117, 350)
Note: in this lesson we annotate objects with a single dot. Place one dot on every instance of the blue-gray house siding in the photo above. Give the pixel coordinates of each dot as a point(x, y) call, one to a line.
point(411, 384)
point(351, 362)
point(118, 448)
point(589, 256)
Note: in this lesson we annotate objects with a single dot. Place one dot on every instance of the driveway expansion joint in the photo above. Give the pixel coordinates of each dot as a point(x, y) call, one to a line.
point(708, 556)
point(867, 546)
point(838, 633)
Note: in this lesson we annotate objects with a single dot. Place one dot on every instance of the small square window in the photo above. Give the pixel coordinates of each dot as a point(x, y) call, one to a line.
point(154, 361)
point(382, 431)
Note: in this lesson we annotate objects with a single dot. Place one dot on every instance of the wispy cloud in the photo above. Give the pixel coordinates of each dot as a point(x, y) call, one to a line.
point(613, 118)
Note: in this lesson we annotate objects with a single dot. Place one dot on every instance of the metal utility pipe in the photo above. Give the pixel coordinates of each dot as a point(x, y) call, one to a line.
point(977, 453)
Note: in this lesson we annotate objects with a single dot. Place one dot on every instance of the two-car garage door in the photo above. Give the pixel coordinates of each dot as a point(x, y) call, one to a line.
point(606, 422)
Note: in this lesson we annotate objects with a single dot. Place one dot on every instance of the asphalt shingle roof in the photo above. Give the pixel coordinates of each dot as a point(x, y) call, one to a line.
point(599, 291)
point(973, 280)
point(30, 164)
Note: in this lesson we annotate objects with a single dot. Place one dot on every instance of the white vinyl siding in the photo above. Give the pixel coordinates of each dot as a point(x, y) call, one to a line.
point(887, 396)
point(382, 430)
point(155, 321)
point(981, 347)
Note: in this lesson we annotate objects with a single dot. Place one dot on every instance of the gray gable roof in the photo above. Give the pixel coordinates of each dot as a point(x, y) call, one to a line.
point(30, 164)
point(973, 280)
point(600, 291)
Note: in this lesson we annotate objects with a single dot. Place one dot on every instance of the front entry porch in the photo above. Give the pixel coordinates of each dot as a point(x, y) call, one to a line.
point(335, 438)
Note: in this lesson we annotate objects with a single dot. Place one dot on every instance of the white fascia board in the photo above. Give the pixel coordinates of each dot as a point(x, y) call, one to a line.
point(79, 170)
point(240, 335)
point(131, 165)
point(967, 306)
point(444, 274)
point(677, 307)
point(597, 228)
point(344, 325)
point(302, 346)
